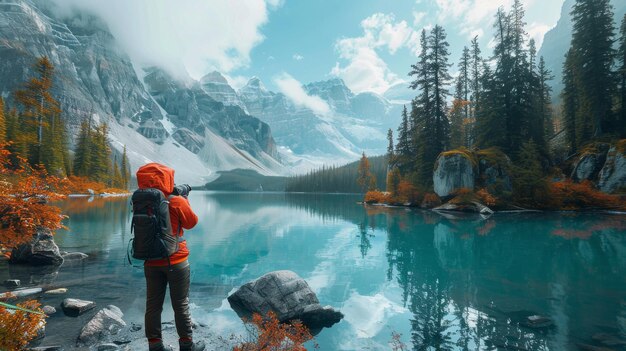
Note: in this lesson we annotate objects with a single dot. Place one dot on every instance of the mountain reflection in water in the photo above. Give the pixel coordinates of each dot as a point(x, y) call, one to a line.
point(443, 282)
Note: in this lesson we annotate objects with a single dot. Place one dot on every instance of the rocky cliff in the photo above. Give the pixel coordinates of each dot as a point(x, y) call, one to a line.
point(157, 117)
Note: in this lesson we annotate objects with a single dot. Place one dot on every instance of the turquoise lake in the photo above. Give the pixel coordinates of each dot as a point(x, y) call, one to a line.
point(442, 282)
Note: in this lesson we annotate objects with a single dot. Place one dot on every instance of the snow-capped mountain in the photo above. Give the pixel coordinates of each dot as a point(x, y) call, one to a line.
point(354, 124)
point(217, 87)
point(197, 128)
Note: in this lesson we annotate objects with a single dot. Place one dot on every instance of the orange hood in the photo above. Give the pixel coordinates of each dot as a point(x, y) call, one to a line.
point(155, 175)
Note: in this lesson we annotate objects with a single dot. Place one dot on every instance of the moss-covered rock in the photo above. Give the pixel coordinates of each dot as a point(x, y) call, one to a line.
point(454, 170)
point(590, 162)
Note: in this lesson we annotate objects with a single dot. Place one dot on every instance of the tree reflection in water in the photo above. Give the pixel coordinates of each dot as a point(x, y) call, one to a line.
point(471, 283)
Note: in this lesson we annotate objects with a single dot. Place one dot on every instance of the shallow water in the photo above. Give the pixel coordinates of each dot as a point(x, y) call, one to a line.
point(449, 283)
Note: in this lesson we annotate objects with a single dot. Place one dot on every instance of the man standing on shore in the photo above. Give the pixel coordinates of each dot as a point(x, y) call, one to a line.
point(173, 270)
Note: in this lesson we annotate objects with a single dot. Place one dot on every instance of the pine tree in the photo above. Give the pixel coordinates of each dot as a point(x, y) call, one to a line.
point(125, 169)
point(622, 78)
point(100, 166)
point(117, 180)
point(476, 65)
point(431, 129)
point(592, 43)
point(403, 148)
point(440, 78)
point(544, 108)
point(569, 95)
point(3, 122)
point(83, 151)
point(365, 179)
point(460, 113)
point(490, 128)
point(39, 109)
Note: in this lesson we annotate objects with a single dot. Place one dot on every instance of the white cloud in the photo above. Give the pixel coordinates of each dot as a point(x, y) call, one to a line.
point(298, 57)
point(196, 36)
point(537, 31)
point(365, 69)
point(418, 17)
point(472, 15)
point(292, 88)
point(237, 82)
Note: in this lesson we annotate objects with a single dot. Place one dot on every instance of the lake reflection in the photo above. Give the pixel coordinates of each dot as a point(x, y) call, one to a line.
point(446, 283)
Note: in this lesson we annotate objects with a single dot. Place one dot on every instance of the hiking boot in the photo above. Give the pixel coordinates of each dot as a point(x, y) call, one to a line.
point(189, 345)
point(158, 346)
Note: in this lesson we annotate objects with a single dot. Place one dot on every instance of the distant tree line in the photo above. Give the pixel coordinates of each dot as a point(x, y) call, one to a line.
point(338, 179)
point(36, 132)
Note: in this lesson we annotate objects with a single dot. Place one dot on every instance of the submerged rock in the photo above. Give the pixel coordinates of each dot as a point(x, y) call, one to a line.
point(108, 321)
point(76, 307)
point(287, 295)
point(21, 293)
point(74, 256)
point(40, 251)
point(453, 170)
point(48, 310)
point(58, 291)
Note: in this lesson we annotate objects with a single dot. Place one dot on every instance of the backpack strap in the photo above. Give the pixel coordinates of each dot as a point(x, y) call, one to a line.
point(179, 237)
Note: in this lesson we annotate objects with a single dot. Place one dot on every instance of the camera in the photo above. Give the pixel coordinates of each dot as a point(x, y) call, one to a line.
point(181, 190)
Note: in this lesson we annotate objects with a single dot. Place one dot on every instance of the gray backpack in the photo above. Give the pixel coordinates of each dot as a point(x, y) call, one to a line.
point(151, 227)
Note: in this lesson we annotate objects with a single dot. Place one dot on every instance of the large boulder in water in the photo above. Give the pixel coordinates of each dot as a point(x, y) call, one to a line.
point(612, 176)
point(40, 251)
point(453, 170)
point(590, 162)
point(287, 295)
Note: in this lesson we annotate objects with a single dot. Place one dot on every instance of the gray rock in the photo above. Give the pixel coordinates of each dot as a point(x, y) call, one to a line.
point(107, 347)
point(590, 162)
point(49, 310)
point(40, 251)
point(453, 171)
point(108, 321)
point(76, 307)
point(12, 283)
point(613, 174)
point(46, 348)
point(21, 293)
point(287, 295)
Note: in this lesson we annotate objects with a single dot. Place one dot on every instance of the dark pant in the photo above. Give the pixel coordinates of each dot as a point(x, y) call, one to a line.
point(157, 279)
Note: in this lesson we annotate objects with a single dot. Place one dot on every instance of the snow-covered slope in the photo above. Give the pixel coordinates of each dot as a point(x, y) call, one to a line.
point(156, 117)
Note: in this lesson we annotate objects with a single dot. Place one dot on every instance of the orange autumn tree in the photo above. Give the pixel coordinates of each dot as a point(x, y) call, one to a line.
point(269, 334)
point(24, 195)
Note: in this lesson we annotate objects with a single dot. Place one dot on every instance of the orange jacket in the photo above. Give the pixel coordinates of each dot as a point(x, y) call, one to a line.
point(158, 176)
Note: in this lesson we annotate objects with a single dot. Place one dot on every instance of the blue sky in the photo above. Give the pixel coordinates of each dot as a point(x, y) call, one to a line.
point(321, 39)
point(368, 43)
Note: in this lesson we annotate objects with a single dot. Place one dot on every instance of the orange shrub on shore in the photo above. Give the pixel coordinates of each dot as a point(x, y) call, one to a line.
point(568, 195)
point(269, 334)
point(376, 197)
point(486, 198)
point(82, 185)
point(18, 326)
point(408, 193)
